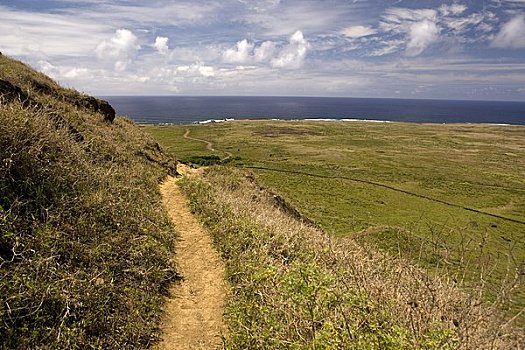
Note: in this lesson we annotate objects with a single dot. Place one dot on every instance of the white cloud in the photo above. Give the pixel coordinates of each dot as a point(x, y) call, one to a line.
point(203, 53)
point(461, 23)
point(146, 13)
point(310, 16)
point(75, 73)
point(260, 5)
point(418, 27)
point(43, 34)
point(63, 72)
point(454, 9)
point(421, 35)
point(292, 55)
point(358, 31)
point(161, 44)
point(205, 71)
point(265, 51)
point(196, 69)
point(512, 34)
point(120, 49)
point(397, 17)
point(388, 47)
point(241, 53)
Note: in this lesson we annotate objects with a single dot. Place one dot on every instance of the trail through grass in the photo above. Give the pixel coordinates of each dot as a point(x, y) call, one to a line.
point(193, 316)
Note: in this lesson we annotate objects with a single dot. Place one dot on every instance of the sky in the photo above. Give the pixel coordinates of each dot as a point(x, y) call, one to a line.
point(464, 49)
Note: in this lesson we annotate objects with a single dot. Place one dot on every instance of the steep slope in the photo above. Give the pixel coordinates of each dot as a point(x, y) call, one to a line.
point(85, 245)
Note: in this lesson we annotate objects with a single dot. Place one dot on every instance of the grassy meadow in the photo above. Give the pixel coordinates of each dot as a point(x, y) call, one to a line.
point(450, 198)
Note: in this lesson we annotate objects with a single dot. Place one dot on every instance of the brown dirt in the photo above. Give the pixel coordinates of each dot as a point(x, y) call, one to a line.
point(194, 312)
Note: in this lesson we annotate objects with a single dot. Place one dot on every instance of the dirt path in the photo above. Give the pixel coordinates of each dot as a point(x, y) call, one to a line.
point(209, 145)
point(194, 313)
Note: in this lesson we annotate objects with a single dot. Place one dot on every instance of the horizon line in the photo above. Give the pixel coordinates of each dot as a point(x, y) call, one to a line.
point(314, 96)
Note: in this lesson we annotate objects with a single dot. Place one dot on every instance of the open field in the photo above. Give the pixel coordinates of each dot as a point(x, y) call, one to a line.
point(449, 197)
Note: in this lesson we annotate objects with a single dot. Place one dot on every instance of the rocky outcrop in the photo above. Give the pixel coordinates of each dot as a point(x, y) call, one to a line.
point(107, 110)
point(98, 106)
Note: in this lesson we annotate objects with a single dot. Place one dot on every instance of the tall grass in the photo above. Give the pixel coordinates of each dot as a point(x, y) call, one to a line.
point(294, 287)
point(85, 245)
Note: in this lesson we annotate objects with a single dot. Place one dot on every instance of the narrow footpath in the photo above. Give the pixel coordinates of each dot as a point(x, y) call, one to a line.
point(209, 145)
point(194, 312)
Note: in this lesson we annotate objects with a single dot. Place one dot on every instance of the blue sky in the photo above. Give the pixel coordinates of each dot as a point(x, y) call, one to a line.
point(470, 49)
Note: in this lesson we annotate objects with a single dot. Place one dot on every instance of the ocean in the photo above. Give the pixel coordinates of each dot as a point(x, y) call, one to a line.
point(186, 110)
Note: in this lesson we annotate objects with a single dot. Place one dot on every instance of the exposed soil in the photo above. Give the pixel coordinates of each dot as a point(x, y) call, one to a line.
point(194, 312)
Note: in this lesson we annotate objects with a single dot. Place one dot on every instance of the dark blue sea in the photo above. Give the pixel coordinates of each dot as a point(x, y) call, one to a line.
point(185, 110)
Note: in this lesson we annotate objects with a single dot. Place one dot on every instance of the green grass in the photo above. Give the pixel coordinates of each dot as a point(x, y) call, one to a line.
point(404, 188)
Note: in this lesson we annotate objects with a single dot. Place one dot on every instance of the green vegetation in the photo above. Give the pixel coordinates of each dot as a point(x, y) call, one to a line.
point(295, 287)
point(85, 245)
point(449, 197)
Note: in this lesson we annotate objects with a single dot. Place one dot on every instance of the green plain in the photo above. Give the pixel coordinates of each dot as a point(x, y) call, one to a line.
point(448, 197)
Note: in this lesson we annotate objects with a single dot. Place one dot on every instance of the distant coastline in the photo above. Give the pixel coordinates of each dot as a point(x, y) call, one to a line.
point(206, 109)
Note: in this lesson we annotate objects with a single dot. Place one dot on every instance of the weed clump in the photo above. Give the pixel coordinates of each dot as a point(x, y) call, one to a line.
point(85, 245)
point(294, 287)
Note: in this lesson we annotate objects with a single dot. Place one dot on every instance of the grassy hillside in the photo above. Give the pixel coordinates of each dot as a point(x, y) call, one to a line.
point(85, 245)
point(295, 287)
point(450, 198)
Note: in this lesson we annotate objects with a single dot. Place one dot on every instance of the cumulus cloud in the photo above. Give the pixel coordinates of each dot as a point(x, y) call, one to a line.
point(511, 34)
point(62, 72)
point(161, 44)
point(293, 54)
point(177, 74)
point(421, 35)
point(76, 72)
point(120, 49)
point(241, 53)
point(358, 31)
point(265, 51)
point(197, 68)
